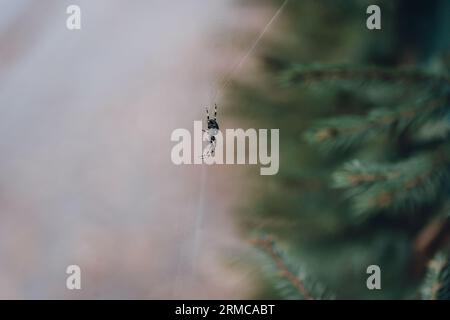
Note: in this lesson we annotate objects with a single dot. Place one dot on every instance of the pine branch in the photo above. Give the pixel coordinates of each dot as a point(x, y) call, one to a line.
point(407, 183)
point(304, 74)
point(438, 129)
point(268, 246)
point(437, 281)
point(349, 131)
point(430, 239)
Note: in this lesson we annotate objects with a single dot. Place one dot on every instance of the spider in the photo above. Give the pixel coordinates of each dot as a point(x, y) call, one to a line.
point(213, 130)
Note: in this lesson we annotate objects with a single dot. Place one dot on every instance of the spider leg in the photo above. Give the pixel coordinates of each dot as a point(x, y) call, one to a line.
point(215, 111)
point(213, 148)
point(207, 153)
point(207, 113)
point(210, 151)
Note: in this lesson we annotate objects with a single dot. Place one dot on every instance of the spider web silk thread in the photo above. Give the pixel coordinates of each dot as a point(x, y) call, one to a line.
point(199, 218)
point(227, 79)
point(204, 172)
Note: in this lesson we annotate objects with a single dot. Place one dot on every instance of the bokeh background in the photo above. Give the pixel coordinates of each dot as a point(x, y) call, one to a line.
point(85, 170)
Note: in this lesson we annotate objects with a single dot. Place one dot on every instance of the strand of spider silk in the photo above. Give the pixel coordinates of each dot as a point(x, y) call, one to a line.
point(227, 79)
point(199, 218)
point(196, 240)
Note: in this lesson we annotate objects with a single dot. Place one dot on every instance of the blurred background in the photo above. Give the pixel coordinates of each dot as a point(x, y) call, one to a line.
point(85, 172)
point(85, 124)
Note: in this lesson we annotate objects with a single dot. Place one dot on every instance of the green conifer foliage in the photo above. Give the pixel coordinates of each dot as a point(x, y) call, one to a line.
point(365, 156)
point(437, 281)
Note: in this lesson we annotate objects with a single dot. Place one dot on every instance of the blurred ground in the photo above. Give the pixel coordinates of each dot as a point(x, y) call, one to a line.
point(85, 170)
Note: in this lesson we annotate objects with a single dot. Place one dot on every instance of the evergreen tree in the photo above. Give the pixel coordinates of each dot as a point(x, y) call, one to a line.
point(364, 149)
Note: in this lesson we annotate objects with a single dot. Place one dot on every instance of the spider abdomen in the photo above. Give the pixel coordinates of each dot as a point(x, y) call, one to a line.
point(213, 131)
